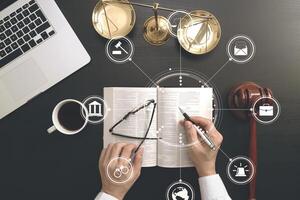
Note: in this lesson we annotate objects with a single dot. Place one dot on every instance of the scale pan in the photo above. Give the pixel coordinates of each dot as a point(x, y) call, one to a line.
point(112, 19)
point(199, 35)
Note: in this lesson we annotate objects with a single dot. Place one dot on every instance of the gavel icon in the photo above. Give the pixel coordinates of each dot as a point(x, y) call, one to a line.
point(118, 45)
point(241, 100)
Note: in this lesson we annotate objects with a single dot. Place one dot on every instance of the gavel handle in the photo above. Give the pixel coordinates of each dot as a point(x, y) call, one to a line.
point(253, 157)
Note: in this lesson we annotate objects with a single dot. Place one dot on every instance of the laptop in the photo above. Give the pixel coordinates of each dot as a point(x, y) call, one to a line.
point(38, 48)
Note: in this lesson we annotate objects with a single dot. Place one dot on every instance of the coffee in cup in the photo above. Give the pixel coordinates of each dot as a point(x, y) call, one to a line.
point(67, 118)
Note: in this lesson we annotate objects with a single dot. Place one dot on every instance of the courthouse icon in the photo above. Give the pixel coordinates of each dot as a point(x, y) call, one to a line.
point(95, 109)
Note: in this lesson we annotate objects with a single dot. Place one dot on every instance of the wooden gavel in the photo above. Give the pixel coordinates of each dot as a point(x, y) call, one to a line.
point(241, 99)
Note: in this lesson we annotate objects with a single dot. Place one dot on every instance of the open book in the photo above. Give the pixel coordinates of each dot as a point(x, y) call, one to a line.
point(168, 150)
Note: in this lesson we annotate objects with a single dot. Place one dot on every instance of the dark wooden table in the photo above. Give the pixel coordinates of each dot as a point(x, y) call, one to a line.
point(35, 165)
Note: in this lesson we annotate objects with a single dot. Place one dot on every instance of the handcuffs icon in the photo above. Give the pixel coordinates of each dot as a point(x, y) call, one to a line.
point(122, 170)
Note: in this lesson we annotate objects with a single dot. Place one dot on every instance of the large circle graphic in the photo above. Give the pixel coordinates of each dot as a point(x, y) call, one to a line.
point(187, 78)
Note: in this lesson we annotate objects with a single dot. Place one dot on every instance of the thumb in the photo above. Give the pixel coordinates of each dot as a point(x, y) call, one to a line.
point(190, 132)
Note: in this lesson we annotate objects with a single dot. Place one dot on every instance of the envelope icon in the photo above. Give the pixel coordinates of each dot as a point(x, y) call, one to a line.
point(240, 48)
point(266, 110)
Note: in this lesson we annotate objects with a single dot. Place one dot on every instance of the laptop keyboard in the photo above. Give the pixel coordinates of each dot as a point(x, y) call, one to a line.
point(23, 30)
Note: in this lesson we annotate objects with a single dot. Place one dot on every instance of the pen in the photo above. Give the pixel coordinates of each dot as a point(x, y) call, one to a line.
point(132, 157)
point(204, 136)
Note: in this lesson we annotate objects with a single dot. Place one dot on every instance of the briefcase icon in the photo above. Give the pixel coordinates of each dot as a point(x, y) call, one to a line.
point(240, 48)
point(266, 110)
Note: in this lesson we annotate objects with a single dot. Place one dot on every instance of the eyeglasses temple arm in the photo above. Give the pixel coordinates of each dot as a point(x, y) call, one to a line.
point(127, 115)
point(143, 106)
point(152, 115)
point(124, 118)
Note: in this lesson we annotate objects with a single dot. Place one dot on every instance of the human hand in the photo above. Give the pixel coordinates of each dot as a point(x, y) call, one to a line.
point(119, 190)
point(200, 153)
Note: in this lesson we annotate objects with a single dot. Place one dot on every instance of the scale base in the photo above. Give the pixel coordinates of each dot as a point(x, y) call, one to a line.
point(156, 36)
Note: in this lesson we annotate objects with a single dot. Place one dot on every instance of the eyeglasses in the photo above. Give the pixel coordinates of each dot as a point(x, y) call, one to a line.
point(131, 113)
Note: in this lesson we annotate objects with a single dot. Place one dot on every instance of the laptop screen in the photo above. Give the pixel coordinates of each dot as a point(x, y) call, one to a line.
point(5, 3)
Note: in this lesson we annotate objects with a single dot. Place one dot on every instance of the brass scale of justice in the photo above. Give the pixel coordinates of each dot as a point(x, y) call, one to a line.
point(198, 31)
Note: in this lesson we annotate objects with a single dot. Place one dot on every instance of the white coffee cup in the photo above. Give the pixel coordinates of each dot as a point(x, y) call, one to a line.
point(57, 124)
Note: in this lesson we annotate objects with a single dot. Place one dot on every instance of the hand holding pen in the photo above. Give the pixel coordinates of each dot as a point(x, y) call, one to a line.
point(200, 130)
point(201, 154)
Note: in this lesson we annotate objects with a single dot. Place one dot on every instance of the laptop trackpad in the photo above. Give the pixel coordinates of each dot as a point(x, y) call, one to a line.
point(24, 79)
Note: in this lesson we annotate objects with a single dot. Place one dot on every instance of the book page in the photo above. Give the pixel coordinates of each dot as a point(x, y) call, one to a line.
point(195, 102)
point(121, 101)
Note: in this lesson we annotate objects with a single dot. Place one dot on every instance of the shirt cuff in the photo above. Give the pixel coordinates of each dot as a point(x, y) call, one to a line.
point(212, 188)
point(104, 196)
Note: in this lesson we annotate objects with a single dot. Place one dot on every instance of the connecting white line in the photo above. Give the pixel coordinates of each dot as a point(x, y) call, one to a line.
point(180, 176)
point(218, 71)
point(144, 73)
point(180, 62)
point(230, 159)
point(246, 109)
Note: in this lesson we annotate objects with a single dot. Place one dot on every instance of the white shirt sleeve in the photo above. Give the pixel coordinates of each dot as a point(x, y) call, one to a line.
point(212, 188)
point(104, 196)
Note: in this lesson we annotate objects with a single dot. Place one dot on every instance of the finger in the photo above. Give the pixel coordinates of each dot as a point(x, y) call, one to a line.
point(194, 139)
point(203, 122)
point(127, 150)
point(190, 132)
point(138, 160)
point(116, 150)
point(218, 138)
point(126, 153)
point(210, 129)
point(181, 122)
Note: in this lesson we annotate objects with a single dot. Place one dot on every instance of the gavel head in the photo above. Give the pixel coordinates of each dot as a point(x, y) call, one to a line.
point(242, 97)
point(118, 44)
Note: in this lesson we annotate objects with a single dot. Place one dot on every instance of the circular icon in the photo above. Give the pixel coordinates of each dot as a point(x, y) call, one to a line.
point(119, 170)
point(241, 49)
point(119, 50)
point(174, 20)
point(266, 110)
point(97, 109)
point(180, 190)
point(240, 170)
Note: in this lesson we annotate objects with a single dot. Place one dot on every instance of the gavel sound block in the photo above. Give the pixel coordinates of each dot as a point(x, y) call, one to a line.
point(241, 99)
